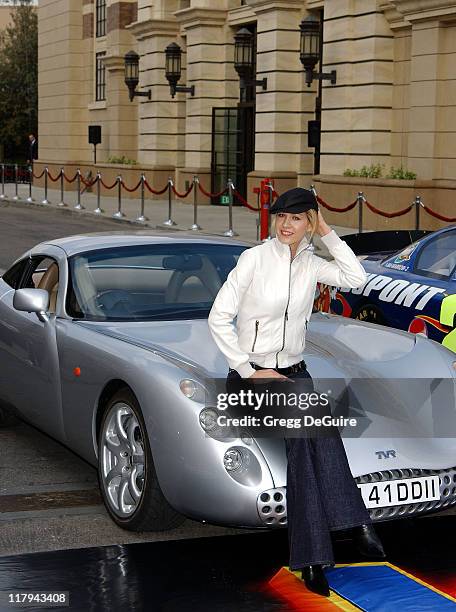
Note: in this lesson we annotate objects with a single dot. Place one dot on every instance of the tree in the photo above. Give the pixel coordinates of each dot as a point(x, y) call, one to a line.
point(19, 78)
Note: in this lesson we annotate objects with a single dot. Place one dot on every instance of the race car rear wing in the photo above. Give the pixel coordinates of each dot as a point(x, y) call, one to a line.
point(382, 242)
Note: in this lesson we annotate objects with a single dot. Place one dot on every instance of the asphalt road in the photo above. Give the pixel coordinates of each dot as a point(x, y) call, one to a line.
point(22, 227)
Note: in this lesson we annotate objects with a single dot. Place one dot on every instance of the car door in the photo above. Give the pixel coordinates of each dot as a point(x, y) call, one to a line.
point(28, 345)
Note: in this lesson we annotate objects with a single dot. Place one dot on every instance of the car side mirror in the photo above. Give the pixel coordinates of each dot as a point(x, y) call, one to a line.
point(32, 300)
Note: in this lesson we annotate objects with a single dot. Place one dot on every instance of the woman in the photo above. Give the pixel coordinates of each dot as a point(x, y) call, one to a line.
point(271, 292)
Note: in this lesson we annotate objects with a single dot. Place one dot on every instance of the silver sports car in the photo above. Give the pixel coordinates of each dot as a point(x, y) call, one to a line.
point(105, 346)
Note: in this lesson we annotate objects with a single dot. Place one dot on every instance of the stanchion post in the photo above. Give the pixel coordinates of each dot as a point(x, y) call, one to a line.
point(195, 225)
point(142, 218)
point(98, 210)
point(16, 195)
point(119, 214)
point(271, 196)
point(30, 199)
point(45, 201)
point(361, 199)
point(2, 195)
point(78, 205)
point(418, 205)
point(169, 221)
point(62, 189)
point(230, 232)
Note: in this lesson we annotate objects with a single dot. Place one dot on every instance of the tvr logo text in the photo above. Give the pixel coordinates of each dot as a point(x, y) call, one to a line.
point(385, 454)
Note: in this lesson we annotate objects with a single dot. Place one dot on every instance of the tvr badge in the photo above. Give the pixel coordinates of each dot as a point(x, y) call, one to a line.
point(385, 454)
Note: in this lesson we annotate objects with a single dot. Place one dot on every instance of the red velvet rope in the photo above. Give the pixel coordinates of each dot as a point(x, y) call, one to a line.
point(155, 191)
point(243, 201)
point(399, 213)
point(439, 216)
point(54, 180)
point(134, 188)
point(333, 209)
point(38, 176)
point(108, 187)
point(182, 195)
point(211, 195)
point(89, 183)
point(70, 180)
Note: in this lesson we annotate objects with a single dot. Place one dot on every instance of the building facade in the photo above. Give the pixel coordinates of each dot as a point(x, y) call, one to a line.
point(394, 101)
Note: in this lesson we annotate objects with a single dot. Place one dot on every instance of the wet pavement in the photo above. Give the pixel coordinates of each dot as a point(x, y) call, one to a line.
point(49, 500)
point(232, 574)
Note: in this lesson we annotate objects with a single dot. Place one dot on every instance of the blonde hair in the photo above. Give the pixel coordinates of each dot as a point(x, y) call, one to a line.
point(312, 218)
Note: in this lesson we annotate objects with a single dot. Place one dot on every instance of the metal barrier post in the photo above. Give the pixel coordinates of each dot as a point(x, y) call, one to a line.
point(142, 218)
point(78, 205)
point(45, 201)
point(418, 205)
point(271, 197)
point(98, 210)
point(169, 221)
point(15, 196)
point(2, 195)
point(30, 199)
point(195, 225)
point(360, 199)
point(230, 231)
point(119, 214)
point(62, 189)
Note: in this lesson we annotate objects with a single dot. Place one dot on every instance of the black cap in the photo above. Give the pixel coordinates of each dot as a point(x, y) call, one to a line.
point(295, 201)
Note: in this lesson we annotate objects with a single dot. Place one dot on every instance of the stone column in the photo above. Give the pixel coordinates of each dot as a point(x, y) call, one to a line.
point(158, 136)
point(209, 67)
point(282, 111)
point(431, 118)
point(62, 86)
point(356, 112)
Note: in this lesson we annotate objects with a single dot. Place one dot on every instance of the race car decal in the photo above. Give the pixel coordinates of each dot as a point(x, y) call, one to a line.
point(447, 314)
point(434, 322)
point(396, 290)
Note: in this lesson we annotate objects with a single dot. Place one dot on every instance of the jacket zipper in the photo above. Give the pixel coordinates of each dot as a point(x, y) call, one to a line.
point(285, 316)
point(256, 332)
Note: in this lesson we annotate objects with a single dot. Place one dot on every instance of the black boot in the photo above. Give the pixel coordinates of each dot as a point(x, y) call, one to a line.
point(367, 542)
point(315, 579)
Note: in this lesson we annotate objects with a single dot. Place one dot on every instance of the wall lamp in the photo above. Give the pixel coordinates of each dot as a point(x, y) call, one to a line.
point(310, 50)
point(243, 59)
point(173, 70)
point(132, 75)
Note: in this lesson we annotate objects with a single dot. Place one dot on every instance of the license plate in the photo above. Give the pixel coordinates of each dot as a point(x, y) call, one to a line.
point(397, 492)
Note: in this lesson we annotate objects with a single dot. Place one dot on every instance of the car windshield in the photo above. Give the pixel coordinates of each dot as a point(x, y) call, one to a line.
point(148, 282)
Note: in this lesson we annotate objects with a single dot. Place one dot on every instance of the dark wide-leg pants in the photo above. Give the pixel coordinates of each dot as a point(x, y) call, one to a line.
point(322, 495)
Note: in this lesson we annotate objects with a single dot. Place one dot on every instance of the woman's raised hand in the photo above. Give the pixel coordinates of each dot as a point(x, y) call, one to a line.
point(269, 373)
point(322, 228)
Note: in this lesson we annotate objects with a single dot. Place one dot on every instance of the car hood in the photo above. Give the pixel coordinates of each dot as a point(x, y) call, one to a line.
point(333, 338)
point(336, 347)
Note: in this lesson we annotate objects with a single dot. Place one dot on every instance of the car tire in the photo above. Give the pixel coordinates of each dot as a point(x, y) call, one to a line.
point(370, 314)
point(126, 468)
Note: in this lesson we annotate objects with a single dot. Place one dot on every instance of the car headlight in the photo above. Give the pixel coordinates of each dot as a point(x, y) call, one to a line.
point(208, 419)
point(232, 460)
point(193, 390)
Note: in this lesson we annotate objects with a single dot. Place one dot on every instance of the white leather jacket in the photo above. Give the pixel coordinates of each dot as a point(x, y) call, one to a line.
point(272, 297)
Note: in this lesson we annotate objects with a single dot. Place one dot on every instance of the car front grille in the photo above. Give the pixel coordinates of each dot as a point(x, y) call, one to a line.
point(447, 479)
point(272, 504)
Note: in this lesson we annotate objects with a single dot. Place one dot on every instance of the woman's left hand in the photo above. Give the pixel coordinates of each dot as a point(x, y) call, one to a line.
point(322, 228)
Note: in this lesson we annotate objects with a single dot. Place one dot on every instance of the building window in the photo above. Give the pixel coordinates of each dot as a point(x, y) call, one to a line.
point(101, 18)
point(100, 77)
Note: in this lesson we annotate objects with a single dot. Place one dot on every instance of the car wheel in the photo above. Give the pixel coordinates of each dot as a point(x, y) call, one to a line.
point(126, 472)
point(371, 314)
